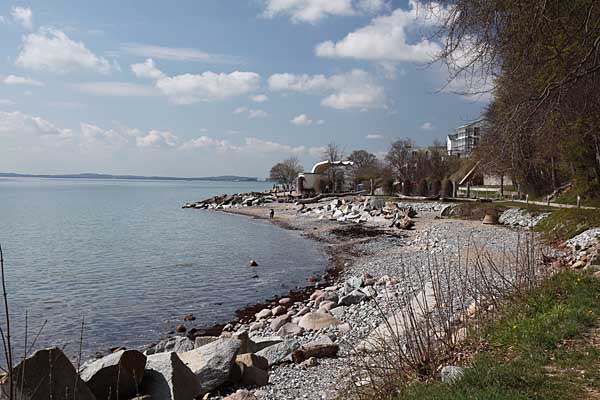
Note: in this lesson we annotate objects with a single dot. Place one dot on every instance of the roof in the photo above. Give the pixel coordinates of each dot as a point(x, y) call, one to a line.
point(323, 166)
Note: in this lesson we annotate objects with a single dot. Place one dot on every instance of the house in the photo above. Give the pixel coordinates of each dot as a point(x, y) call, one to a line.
point(465, 138)
point(316, 180)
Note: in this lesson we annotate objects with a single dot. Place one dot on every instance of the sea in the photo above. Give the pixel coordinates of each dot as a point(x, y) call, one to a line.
point(108, 263)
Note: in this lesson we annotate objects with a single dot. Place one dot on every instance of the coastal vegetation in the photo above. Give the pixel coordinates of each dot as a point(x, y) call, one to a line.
point(540, 62)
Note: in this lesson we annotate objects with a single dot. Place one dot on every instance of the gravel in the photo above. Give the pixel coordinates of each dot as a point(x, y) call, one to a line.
point(517, 217)
point(398, 257)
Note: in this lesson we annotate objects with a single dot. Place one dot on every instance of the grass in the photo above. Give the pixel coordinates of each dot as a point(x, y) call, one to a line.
point(537, 349)
point(565, 223)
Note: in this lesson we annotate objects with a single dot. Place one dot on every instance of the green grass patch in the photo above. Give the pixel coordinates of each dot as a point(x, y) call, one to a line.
point(565, 223)
point(530, 352)
point(532, 208)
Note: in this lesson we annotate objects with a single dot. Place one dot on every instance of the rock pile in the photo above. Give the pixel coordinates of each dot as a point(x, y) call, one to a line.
point(234, 200)
point(360, 210)
point(585, 249)
point(517, 217)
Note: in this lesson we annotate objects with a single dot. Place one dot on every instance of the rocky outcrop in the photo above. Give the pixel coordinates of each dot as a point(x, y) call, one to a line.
point(116, 376)
point(167, 377)
point(47, 374)
point(212, 363)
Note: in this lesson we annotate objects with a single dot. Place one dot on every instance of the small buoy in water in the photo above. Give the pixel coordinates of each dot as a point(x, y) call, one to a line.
point(252, 263)
point(490, 219)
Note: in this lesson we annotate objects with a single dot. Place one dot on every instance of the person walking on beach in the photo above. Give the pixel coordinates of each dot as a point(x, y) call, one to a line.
point(271, 213)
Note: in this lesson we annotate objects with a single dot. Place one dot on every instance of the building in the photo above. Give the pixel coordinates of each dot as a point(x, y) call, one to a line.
point(465, 138)
point(316, 180)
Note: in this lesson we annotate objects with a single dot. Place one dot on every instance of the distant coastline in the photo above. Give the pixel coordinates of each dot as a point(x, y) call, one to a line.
point(223, 178)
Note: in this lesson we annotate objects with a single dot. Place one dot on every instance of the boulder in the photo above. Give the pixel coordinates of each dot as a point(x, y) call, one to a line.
point(125, 367)
point(285, 301)
point(167, 377)
point(315, 350)
point(258, 343)
point(355, 297)
point(33, 375)
point(252, 360)
point(327, 305)
point(241, 394)
point(244, 338)
point(289, 330)
point(451, 373)
point(212, 363)
point(279, 310)
point(177, 344)
point(317, 320)
point(266, 313)
point(338, 311)
point(279, 322)
point(277, 353)
point(199, 342)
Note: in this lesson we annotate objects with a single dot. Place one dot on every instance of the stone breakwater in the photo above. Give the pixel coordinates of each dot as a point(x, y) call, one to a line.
point(297, 346)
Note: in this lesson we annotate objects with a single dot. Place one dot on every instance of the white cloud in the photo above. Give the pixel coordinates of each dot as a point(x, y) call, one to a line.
point(320, 122)
point(17, 123)
point(6, 102)
point(251, 113)
point(192, 88)
point(314, 10)
point(205, 142)
point(257, 114)
point(374, 136)
point(147, 70)
point(354, 89)
point(52, 50)
point(255, 145)
point(92, 134)
point(23, 16)
point(427, 126)
point(386, 39)
point(20, 80)
point(259, 98)
point(317, 151)
point(176, 53)
point(302, 120)
point(156, 138)
point(116, 89)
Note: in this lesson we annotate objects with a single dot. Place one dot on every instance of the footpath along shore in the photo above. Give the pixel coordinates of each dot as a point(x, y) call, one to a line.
point(374, 264)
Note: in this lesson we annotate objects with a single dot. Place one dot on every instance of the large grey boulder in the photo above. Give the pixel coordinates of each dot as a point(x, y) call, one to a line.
point(47, 374)
point(168, 378)
point(279, 352)
point(279, 322)
point(258, 343)
point(318, 320)
point(212, 363)
point(355, 297)
point(177, 344)
point(124, 368)
point(290, 329)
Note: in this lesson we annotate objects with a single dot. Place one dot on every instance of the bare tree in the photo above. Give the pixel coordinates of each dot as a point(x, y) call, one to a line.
point(286, 171)
point(400, 158)
point(335, 175)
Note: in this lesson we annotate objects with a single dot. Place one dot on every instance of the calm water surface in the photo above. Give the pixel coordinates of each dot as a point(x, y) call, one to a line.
point(125, 256)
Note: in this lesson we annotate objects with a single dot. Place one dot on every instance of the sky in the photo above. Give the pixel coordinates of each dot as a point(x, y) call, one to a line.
point(213, 87)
